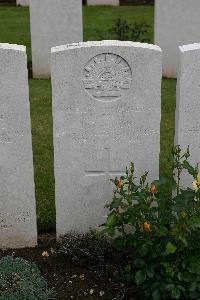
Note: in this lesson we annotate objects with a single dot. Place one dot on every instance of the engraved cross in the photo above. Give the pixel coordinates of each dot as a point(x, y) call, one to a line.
point(107, 172)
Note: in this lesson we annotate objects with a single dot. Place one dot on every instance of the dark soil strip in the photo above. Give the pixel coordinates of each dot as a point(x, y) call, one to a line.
point(136, 2)
point(81, 281)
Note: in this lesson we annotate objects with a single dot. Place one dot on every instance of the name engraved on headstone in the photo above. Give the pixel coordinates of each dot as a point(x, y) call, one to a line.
point(107, 76)
point(8, 220)
point(96, 124)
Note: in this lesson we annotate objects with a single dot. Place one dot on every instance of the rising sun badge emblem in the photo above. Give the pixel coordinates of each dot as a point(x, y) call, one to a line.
point(107, 76)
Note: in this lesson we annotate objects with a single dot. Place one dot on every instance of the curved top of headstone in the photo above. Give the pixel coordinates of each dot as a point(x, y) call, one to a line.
point(189, 47)
point(6, 46)
point(105, 43)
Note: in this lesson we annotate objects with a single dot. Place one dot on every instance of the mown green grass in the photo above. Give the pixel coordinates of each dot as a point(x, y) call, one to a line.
point(102, 17)
point(14, 28)
point(15, 24)
point(41, 117)
point(167, 125)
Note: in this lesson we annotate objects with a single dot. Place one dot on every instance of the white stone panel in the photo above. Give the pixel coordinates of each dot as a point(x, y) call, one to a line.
point(188, 104)
point(53, 23)
point(106, 111)
point(23, 2)
point(177, 23)
point(103, 2)
point(17, 196)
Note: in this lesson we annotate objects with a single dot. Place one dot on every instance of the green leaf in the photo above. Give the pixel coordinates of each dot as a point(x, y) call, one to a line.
point(139, 263)
point(119, 243)
point(194, 295)
point(164, 182)
point(192, 287)
point(116, 202)
point(156, 295)
point(170, 287)
point(144, 250)
point(187, 277)
point(128, 268)
point(194, 222)
point(181, 288)
point(176, 293)
point(150, 271)
point(170, 248)
point(140, 277)
point(183, 240)
point(163, 231)
point(189, 168)
point(194, 267)
point(179, 275)
point(111, 231)
point(112, 220)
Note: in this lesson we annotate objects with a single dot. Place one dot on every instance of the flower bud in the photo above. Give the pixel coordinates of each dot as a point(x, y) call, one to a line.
point(147, 226)
point(120, 183)
point(153, 189)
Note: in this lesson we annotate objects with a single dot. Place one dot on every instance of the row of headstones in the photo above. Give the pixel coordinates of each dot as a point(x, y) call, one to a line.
point(89, 2)
point(176, 23)
point(106, 113)
point(53, 22)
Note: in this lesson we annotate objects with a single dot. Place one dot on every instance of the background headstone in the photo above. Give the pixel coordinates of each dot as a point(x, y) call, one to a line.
point(23, 2)
point(177, 23)
point(188, 104)
point(17, 196)
point(53, 23)
point(106, 111)
point(103, 2)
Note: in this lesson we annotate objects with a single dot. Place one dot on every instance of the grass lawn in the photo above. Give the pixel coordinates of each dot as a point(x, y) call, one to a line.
point(15, 25)
point(14, 28)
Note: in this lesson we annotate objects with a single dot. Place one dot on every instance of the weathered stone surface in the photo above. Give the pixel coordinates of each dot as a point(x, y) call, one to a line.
point(53, 23)
point(106, 110)
point(177, 23)
point(103, 2)
point(188, 105)
point(17, 196)
point(23, 2)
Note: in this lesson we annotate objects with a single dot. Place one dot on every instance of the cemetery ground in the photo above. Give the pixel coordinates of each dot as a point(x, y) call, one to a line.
point(68, 278)
point(80, 279)
point(15, 29)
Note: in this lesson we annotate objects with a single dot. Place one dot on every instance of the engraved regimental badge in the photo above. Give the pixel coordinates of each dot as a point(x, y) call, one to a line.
point(107, 76)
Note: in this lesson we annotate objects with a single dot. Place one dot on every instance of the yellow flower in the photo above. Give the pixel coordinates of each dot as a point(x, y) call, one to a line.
point(196, 183)
point(153, 189)
point(120, 183)
point(147, 226)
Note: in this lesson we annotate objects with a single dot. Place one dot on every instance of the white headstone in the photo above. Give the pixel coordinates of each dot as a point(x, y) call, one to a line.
point(188, 105)
point(23, 2)
point(103, 2)
point(177, 23)
point(53, 23)
point(17, 196)
point(106, 110)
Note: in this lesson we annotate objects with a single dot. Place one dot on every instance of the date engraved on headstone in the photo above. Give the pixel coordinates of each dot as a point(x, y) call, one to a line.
point(107, 77)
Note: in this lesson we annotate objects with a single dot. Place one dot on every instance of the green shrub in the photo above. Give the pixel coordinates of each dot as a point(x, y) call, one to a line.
point(21, 280)
point(162, 244)
point(123, 31)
